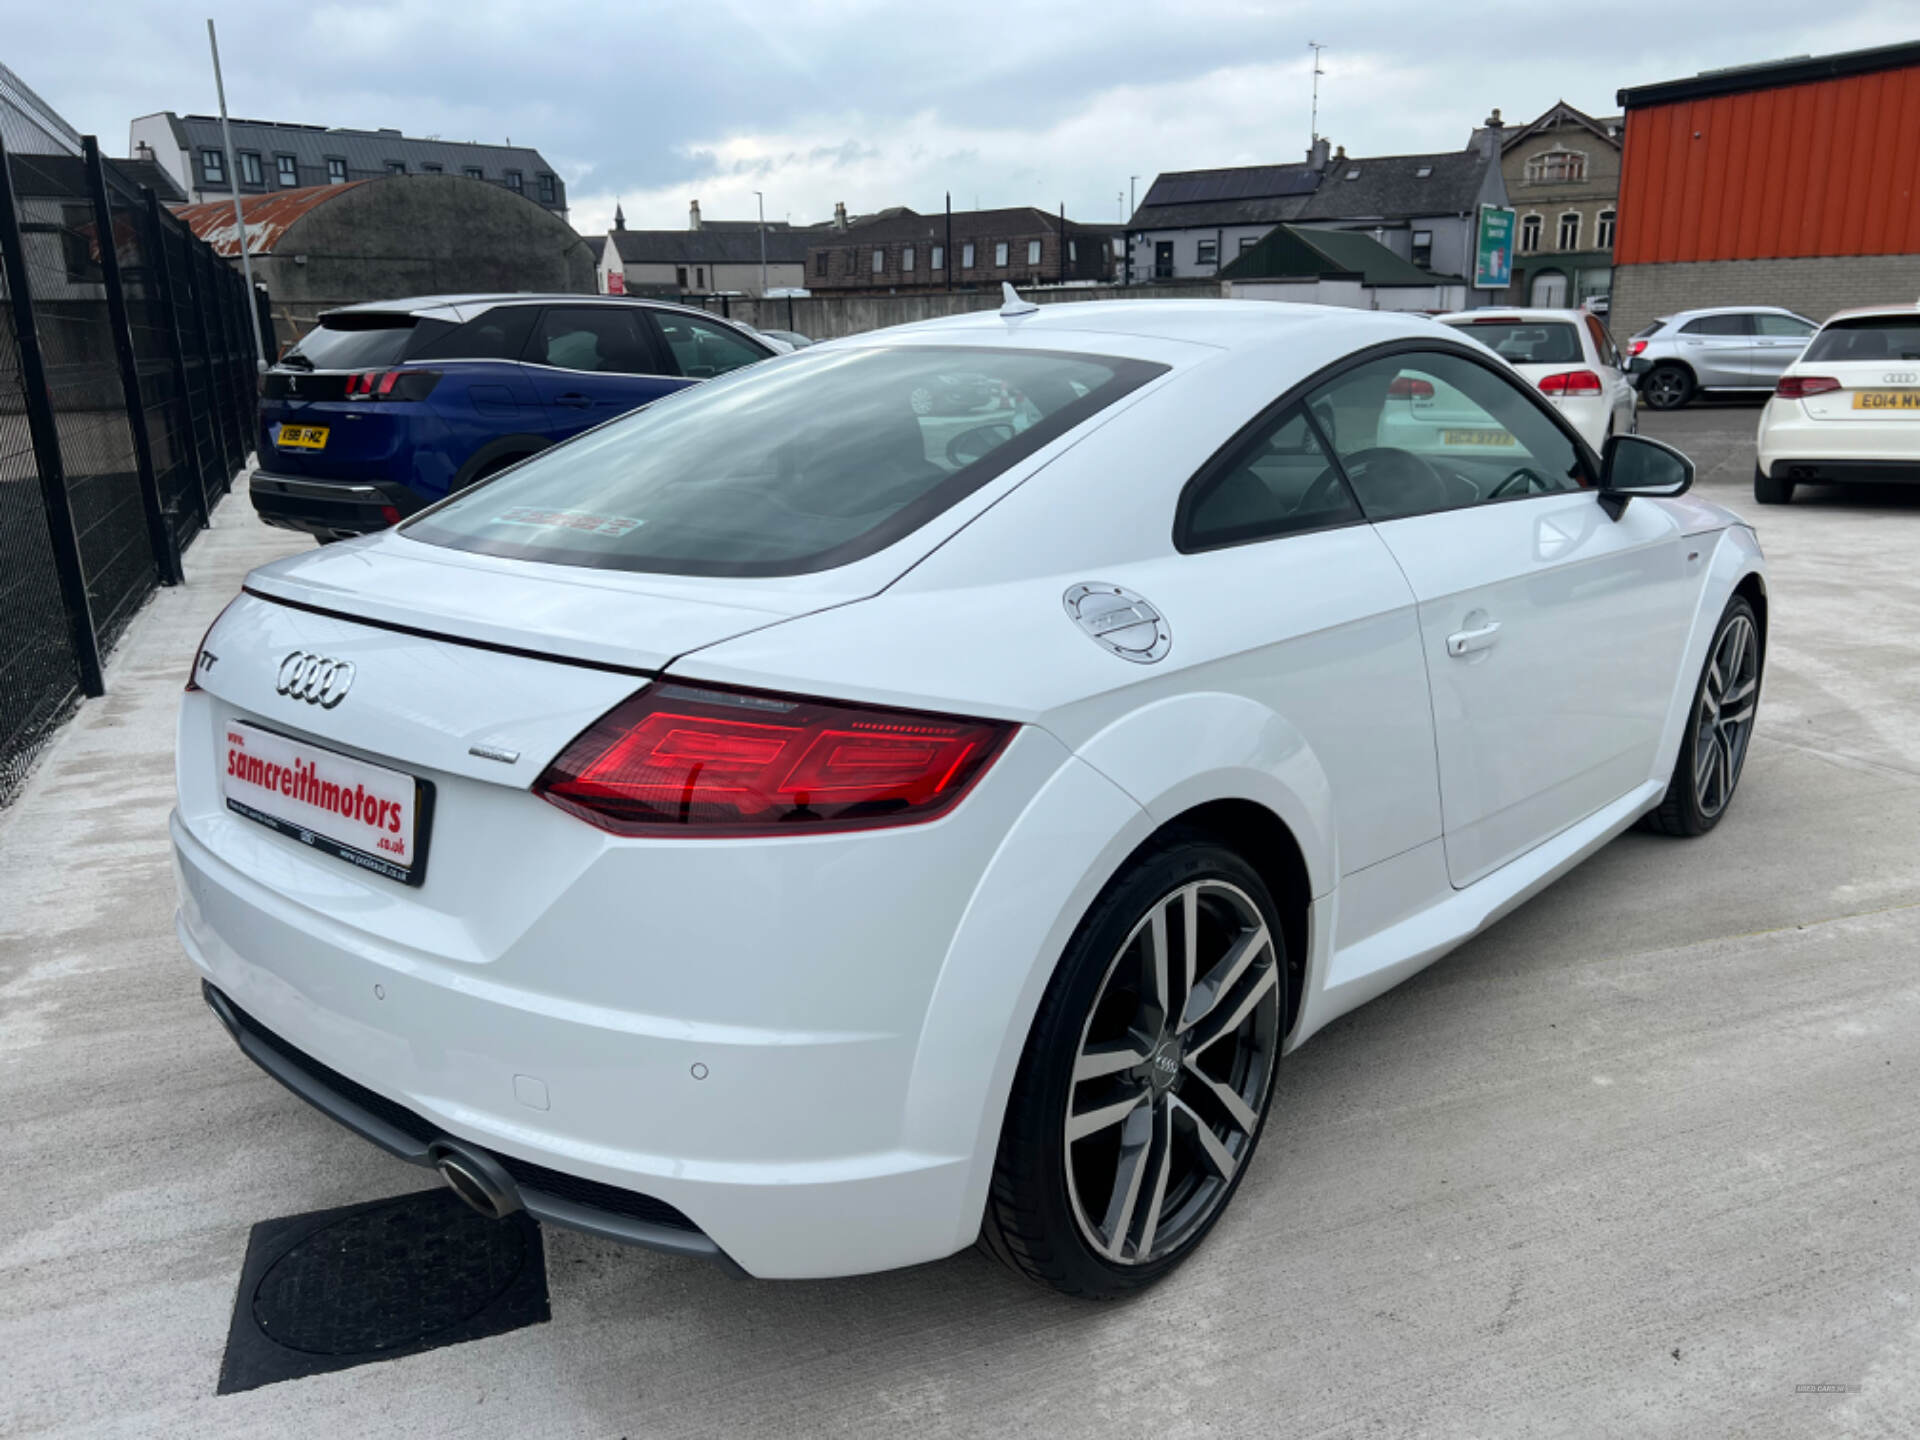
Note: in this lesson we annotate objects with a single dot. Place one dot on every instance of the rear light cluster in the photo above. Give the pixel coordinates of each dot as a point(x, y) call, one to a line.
point(391, 384)
point(1798, 387)
point(677, 758)
point(1572, 382)
point(1634, 347)
point(1410, 387)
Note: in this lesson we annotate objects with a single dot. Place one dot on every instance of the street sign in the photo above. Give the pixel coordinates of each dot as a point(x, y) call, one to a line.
point(1493, 250)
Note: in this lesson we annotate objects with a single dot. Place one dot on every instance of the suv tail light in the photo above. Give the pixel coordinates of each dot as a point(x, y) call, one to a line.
point(1410, 387)
point(685, 759)
point(1798, 387)
point(1571, 382)
point(1634, 347)
point(391, 384)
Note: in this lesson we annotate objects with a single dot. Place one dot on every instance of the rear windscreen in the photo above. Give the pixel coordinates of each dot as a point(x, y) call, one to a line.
point(1651, 330)
point(365, 342)
point(792, 466)
point(1871, 337)
point(1528, 342)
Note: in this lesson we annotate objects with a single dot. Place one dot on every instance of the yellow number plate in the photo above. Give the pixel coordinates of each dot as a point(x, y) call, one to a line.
point(1476, 437)
point(302, 437)
point(1887, 400)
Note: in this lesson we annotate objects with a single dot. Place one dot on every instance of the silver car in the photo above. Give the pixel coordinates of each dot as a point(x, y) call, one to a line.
point(1731, 347)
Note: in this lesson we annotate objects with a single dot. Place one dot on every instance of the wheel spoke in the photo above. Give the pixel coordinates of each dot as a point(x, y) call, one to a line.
point(1086, 1122)
point(1218, 1025)
point(1212, 1152)
point(1153, 979)
point(1228, 1097)
point(1109, 1058)
point(1189, 942)
point(1161, 1165)
point(1136, 1147)
point(1219, 980)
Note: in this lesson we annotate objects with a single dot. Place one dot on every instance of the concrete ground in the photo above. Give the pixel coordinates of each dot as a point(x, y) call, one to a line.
point(1642, 1160)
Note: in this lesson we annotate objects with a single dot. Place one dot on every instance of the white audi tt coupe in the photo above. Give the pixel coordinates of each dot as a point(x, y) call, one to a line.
point(816, 831)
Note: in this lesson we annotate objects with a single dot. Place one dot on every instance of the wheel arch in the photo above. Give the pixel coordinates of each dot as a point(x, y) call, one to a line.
point(497, 454)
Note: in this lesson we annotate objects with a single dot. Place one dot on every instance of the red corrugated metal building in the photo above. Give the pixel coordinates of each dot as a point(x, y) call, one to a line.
point(1793, 183)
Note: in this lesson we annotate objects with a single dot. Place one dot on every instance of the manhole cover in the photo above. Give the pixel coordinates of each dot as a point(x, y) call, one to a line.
point(339, 1288)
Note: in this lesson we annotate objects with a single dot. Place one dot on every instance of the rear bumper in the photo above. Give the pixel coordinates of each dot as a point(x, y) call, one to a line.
point(330, 509)
point(1794, 446)
point(1845, 472)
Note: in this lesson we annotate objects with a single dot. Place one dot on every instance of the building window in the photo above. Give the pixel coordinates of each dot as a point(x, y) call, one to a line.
point(431, 169)
point(700, 276)
point(396, 167)
point(515, 183)
point(1119, 248)
point(288, 172)
point(680, 276)
point(1033, 252)
point(1570, 230)
point(1423, 249)
point(1000, 254)
point(939, 259)
point(1529, 234)
point(1073, 252)
point(474, 172)
point(1207, 252)
point(966, 256)
point(250, 169)
point(1604, 240)
point(336, 170)
point(213, 165)
point(820, 263)
point(1556, 165)
point(1247, 242)
point(906, 258)
point(547, 192)
point(1425, 172)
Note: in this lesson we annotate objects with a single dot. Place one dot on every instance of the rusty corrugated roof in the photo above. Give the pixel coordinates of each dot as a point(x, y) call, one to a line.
point(267, 217)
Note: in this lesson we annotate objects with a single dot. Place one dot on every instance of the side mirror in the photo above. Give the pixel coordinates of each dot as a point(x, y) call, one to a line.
point(1633, 465)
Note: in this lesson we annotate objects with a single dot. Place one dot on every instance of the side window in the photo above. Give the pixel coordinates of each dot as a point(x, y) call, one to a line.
point(599, 338)
point(1277, 480)
point(702, 349)
point(1427, 431)
point(1716, 325)
point(1603, 342)
point(1782, 327)
point(499, 334)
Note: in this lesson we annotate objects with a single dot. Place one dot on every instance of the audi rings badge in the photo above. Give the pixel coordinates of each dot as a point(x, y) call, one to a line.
point(316, 679)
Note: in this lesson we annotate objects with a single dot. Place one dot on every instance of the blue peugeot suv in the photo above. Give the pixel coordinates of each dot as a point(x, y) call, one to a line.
point(385, 407)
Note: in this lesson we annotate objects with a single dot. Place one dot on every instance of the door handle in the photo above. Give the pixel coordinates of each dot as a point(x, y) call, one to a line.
point(573, 400)
point(1465, 642)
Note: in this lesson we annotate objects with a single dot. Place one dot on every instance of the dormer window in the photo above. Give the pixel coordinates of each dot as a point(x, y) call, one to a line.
point(1556, 165)
point(1354, 174)
point(1423, 172)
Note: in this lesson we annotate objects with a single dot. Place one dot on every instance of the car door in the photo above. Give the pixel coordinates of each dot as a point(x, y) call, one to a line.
point(590, 363)
point(1552, 632)
point(1718, 349)
point(1612, 370)
point(1777, 343)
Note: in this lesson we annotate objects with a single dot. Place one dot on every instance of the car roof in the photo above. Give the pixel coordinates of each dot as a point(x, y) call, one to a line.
point(1732, 310)
point(1493, 314)
point(1862, 312)
point(465, 307)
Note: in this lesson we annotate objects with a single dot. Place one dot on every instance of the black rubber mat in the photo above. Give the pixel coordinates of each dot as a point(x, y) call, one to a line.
point(338, 1288)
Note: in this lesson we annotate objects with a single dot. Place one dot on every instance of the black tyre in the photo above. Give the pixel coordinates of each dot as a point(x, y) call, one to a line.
point(1719, 728)
point(1147, 1075)
point(1668, 386)
point(1769, 491)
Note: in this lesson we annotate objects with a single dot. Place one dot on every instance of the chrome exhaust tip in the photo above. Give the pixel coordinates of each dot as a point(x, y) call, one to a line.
point(476, 1178)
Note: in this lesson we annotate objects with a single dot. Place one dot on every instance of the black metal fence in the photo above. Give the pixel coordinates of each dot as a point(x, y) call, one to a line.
point(127, 399)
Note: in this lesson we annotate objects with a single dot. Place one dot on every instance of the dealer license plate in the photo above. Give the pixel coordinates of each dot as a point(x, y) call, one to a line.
point(302, 437)
point(1476, 437)
point(1908, 400)
point(365, 814)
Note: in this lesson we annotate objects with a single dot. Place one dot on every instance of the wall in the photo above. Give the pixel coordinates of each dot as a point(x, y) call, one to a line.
point(1814, 288)
point(1354, 295)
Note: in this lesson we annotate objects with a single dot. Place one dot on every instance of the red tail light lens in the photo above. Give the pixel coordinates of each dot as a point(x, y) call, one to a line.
point(1410, 387)
point(1798, 387)
point(1572, 382)
point(1634, 347)
point(391, 384)
point(686, 759)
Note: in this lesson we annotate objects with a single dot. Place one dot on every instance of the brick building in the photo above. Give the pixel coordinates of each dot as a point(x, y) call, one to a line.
point(902, 250)
point(1795, 183)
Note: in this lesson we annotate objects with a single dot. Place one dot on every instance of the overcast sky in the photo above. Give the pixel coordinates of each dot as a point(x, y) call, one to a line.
point(894, 102)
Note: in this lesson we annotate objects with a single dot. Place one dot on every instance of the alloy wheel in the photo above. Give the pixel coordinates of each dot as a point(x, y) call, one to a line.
point(1666, 389)
point(1173, 1072)
point(1727, 701)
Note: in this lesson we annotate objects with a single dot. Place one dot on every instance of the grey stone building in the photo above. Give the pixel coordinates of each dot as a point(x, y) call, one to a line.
point(1562, 173)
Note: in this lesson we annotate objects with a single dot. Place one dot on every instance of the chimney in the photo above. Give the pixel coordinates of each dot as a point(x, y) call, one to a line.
point(143, 151)
point(1317, 155)
point(1339, 157)
point(839, 214)
point(1492, 130)
point(693, 216)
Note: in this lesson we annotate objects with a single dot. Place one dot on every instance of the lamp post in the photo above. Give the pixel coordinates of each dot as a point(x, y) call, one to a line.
point(763, 242)
point(239, 217)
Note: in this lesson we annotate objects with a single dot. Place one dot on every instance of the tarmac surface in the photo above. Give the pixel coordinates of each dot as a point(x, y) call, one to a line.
point(1641, 1160)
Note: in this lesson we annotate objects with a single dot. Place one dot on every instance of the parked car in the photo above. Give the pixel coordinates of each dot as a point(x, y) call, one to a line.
point(1568, 356)
point(746, 830)
point(1848, 410)
point(792, 339)
point(383, 408)
point(1732, 347)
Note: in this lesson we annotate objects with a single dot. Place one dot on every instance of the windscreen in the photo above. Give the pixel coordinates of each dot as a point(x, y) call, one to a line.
point(1528, 342)
point(788, 467)
point(1871, 337)
point(362, 342)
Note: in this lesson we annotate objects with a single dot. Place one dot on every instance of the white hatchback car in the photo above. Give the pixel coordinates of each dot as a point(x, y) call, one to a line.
point(1848, 410)
point(1569, 357)
point(782, 827)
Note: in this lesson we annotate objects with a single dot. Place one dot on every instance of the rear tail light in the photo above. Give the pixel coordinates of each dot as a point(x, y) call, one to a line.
point(1634, 347)
point(1410, 387)
point(1571, 382)
point(1798, 387)
point(684, 759)
point(392, 384)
